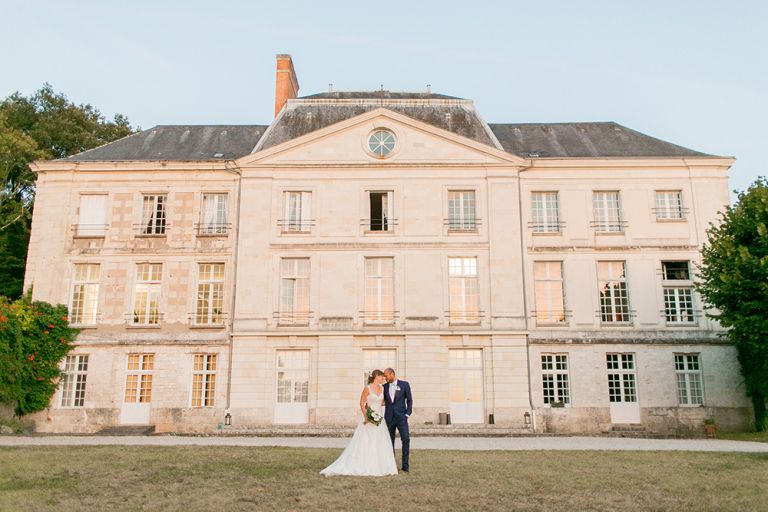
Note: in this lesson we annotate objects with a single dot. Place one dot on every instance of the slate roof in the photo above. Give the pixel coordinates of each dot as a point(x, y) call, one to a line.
point(306, 117)
point(583, 140)
point(190, 142)
point(352, 95)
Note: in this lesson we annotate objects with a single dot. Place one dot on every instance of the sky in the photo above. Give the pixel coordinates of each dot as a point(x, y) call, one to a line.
point(691, 72)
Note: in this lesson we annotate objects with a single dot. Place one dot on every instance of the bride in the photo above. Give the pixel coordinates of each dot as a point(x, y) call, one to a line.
point(369, 453)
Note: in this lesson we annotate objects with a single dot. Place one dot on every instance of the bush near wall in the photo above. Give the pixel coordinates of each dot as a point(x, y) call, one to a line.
point(34, 338)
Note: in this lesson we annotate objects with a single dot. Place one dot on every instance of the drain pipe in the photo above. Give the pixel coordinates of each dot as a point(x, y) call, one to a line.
point(525, 300)
point(235, 248)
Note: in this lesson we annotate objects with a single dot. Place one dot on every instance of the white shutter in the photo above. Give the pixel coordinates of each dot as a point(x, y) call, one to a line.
point(306, 210)
point(93, 215)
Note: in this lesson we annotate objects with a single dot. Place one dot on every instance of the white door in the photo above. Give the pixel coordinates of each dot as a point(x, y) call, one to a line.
point(622, 388)
point(137, 398)
point(292, 400)
point(466, 385)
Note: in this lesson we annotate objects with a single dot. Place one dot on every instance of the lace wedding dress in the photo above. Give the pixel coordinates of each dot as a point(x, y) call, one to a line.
point(369, 453)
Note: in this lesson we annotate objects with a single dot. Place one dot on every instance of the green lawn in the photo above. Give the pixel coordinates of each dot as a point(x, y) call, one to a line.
point(760, 437)
point(235, 478)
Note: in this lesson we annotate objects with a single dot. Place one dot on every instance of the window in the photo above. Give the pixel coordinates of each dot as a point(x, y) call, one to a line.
point(678, 292)
point(381, 143)
point(546, 212)
point(210, 294)
point(214, 215)
point(146, 296)
point(92, 217)
point(463, 290)
point(204, 380)
point(614, 294)
point(378, 359)
point(85, 294)
point(294, 291)
point(669, 205)
point(379, 290)
point(554, 378)
point(292, 376)
point(607, 212)
point(138, 378)
point(73, 381)
point(462, 210)
point(688, 372)
point(548, 289)
point(153, 214)
point(622, 385)
point(298, 212)
point(381, 211)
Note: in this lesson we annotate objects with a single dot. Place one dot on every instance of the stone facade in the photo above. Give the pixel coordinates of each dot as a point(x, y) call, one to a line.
point(310, 369)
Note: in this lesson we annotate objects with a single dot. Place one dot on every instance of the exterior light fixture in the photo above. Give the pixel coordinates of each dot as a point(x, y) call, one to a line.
point(527, 418)
point(228, 419)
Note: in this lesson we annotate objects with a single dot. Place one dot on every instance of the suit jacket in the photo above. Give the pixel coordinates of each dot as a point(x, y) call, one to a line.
point(402, 406)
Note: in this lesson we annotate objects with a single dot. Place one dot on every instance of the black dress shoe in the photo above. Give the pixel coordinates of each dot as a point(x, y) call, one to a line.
point(404, 469)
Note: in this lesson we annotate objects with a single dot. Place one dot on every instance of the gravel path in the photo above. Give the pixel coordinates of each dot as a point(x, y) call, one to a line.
point(417, 443)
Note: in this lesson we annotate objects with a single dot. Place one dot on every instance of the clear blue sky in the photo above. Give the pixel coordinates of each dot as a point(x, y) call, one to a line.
point(691, 72)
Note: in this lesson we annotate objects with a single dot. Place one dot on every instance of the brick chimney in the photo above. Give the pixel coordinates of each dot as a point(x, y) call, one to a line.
point(286, 85)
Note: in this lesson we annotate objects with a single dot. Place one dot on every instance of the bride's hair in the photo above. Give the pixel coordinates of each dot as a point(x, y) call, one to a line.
point(372, 376)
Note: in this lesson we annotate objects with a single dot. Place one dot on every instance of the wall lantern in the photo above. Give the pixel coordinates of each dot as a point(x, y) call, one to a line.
point(228, 419)
point(527, 418)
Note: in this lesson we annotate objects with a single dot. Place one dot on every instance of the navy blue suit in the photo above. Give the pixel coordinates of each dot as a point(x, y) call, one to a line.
point(396, 415)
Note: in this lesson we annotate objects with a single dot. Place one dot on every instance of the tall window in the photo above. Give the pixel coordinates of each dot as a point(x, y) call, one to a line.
point(688, 372)
point(548, 288)
point(85, 294)
point(214, 215)
point(73, 381)
point(614, 294)
point(463, 290)
point(146, 296)
point(622, 385)
point(554, 378)
point(379, 290)
point(669, 205)
point(381, 209)
point(607, 212)
point(92, 217)
point(153, 214)
point(204, 380)
point(546, 212)
point(298, 212)
point(462, 215)
point(378, 359)
point(138, 378)
point(678, 292)
point(210, 294)
point(294, 291)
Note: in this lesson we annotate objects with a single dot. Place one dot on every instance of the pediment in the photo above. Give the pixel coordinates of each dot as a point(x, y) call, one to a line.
point(346, 143)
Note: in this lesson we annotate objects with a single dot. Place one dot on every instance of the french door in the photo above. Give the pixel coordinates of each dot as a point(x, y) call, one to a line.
point(292, 380)
point(466, 385)
point(137, 396)
point(622, 388)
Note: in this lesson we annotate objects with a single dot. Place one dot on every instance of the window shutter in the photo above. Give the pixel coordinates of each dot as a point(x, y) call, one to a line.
point(93, 215)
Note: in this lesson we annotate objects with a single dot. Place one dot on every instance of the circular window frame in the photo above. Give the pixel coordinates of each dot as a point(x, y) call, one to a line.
point(373, 153)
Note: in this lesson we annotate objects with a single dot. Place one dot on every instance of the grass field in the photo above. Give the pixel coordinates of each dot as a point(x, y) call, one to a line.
point(237, 478)
point(759, 437)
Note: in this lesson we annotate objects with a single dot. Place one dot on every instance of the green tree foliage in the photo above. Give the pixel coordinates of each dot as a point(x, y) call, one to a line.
point(734, 280)
point(45, 125)
point(34, 337)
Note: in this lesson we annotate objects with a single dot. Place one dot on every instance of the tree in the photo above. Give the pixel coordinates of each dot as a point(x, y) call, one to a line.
point(34, 337)
point(734, 281)
point(42, 126)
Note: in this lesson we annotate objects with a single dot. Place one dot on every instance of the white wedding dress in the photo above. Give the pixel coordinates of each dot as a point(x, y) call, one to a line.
point(369, 453)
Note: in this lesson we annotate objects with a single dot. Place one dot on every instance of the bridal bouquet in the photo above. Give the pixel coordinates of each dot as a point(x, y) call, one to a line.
point(372, 416)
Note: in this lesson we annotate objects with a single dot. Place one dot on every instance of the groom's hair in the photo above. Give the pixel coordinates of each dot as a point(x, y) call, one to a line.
point(390, 370)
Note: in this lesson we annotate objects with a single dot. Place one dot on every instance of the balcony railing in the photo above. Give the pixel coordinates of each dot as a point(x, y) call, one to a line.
point(215, 318)
point(464, 317)
point(547, 228)
point(90, 230)
point(292, 318)
point(670, 214)
point(462, 225)
point(608, 227)
point(379, 225)
point(154, 230)
point(212, 229)
point(378, 317)
point(295, 225)
point(144, 318)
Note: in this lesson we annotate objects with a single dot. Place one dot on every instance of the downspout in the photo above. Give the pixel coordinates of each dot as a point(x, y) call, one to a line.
point(235, 249)
point(525, 301)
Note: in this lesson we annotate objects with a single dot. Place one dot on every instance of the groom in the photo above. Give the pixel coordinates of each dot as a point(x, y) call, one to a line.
point(399, 402)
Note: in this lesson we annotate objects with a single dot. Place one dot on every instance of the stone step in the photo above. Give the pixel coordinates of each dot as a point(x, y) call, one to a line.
point(346, 431)
point(627, 427)
point(127, 430)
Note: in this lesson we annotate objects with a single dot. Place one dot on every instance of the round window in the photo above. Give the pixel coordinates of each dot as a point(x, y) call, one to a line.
point(381, 143)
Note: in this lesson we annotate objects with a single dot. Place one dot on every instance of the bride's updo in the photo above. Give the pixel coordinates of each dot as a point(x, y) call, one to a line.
point(372, 376)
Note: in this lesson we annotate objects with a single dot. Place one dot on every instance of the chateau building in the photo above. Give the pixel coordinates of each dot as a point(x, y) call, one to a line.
point(533, 276)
